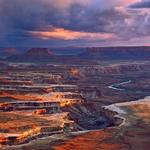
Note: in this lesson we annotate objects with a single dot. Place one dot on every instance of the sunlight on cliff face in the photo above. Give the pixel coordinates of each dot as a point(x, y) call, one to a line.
point(142, 111)
point(40, 111)
point(74, 72)
point(65, 103)
point(29, 133)
point(17, 96)
point(3, 139)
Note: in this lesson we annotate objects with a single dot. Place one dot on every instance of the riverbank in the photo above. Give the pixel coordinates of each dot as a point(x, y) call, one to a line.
point(133, 133)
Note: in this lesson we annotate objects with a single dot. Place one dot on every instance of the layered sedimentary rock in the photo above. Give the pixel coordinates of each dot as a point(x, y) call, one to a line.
point(133, 132)
point(33, 55)
point(46, 103)
point(35, 108)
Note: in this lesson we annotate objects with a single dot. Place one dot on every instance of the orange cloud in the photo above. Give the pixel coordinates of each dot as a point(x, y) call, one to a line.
point(128, 2)
point(60, 33)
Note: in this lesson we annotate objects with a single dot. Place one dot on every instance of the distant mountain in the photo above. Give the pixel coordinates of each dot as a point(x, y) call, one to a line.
point(5, 52)
point(2, 65)
point(90, 54)
point(69, 50)
point(39, 52)
point(33, 55)
point(117, 53)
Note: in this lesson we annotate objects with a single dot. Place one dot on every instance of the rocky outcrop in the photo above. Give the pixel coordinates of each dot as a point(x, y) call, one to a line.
point(39, 52)
point(33, 55)
point(114, 69)
point(90, 93)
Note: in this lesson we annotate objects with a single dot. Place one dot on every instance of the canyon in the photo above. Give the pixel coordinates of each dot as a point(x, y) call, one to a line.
point(75, 102)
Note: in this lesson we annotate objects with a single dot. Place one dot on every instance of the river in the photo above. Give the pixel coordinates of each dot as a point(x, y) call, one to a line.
point(115, 85)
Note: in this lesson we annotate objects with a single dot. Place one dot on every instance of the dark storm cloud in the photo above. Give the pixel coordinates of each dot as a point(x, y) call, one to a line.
point(145, 4)
point(18, 18)
point(24, 15)
point(33, 15)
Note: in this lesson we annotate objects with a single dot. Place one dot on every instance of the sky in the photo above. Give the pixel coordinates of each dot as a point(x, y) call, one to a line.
point(57, 23)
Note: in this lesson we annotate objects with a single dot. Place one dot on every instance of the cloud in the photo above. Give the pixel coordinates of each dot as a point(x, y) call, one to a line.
point(60, 33)
point(33, 20)
point(142, 4)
